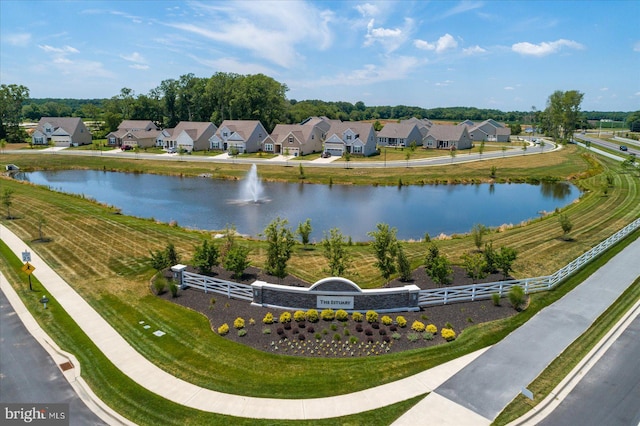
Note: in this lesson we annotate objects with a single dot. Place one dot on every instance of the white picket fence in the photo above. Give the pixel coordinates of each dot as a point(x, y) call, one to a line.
point(438, 296)
point(214, 285)
point(470, 293)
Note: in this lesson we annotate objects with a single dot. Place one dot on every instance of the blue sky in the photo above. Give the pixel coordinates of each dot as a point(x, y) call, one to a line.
point(508, 55)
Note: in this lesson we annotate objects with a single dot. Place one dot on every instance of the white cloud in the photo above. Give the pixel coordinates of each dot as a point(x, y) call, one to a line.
point(58, 50)
point(509, 88)
point(462, 7)
point(474, 50)
point(545, 48)
point(233, 65)
point(444, 43)
point(604, 89)
point(389, 38)
point(636, 46)
point(18, 39)
point(368, 9)
point(134, 57)
point(270, 30)
point(444, 83)
point(139, 66)
point(637, 94)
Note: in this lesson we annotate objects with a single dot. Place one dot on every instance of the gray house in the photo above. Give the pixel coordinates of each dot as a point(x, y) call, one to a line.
point(400, 134)
point(442, 136)
point(141, 133)
point(354, 137)
point(61, 131)
point(243, 136)
point(488, 131)
point(187, 135)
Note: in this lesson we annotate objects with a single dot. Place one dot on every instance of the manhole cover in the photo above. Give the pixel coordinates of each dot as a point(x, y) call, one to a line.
point(66, 366)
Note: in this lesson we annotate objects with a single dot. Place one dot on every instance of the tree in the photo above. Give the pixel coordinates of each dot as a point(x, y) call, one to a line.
point(505, 259)
point(304, 230)
point(633, 121)
point(516, 129)
point(159, 260)
point(562, 115)
point(476, 265)
point(491, 258)
point(42, 221)
point(478, 231)
point(452, 153)
point(565, 224)
point(335, 252)
point(347, 158)
point(280, 244)
point(481, 148)
point(12, 96)
point(385, 247)
point(237, 260)
point(440, 270)
point(404, 266)
point(172, 255)
point(7, 201)
point(412, 148)
point(516, 297)
point(205, 257)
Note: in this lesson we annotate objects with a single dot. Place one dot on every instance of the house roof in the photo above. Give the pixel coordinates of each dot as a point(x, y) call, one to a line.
point(302, 132)
point(446, 132)
point(360, 128)
point(420, 122)
point(195, 129)
point(136, 125)
point(69, 124)
point(397, 130)
point(243, 128)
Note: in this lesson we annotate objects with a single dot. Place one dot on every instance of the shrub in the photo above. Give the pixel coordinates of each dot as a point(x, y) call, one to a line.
point(382, 331)
point(299, 316)
point(159, 284)
point(223, 329)
point(353, 340)
point(342, 315)
point(173, 288)
point(280, 331)
point(238, 323)
point(495, 297)
point(396, 336)
point(333, 327)
point(369, 339)
point(242, 333)
point(252, 321)
point(318, 336)
point(285, 317)
point(312, 315)
point(310, 329)
point(386, 320)
point(266, 330)
point(368, 332)
point(375, 325)
point(359, 328)
point(427, 336)
point(357, 316)
point(418, 326)
point(393, 328)
point(432, 329)
point(346, 332)
point(517, 297)
point(401, 321)
point(448, 325)
point(413, 337)
point(301, 337)
point(268, 318)
point(337, 337)
point(328, 314)
point(386, 339)
point(287, 326)
point(448, 334)
point(302, 325)
point(295, 331)
point(372, 316)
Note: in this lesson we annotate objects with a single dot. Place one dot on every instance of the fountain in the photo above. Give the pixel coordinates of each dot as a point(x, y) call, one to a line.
point(251, 191)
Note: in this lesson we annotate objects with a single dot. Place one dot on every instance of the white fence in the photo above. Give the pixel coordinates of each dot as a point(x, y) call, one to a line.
point(438, 296)
point(214, 285)
point(470, 293)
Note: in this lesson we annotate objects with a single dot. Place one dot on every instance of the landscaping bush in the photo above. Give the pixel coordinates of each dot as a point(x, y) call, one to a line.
point(495, 297)
point(238, 323)
point(301, 337)
point(386, 320)
point(310, 329)
point(266, 330)
point(418, 326)
point(333, 327)
point(401, 321)
point(159, 284)
point(517, 297)
point(432, 329)
point(328, 314)
point(357, 316)
point(173, 288)
point(299, 316)
point(312, 315)
point(252, 321)
point(353, 340)
point(337, 337)
point(295, 331)
point(287, 326)
point(375, 325)
point(318, 336)
point(302, 325)
point(386, 339)
point(427, 336)
point(268, 318)
point(280, 331)
point(223, 329)
point(242, 333)
point(368, 332)
point(413, 337)
point(359, 328)
point(372, 316)
point(448, 334)
point(285, 317)
point(393, 328)
point(342, 315)
point(396, 336)
point(382, 331)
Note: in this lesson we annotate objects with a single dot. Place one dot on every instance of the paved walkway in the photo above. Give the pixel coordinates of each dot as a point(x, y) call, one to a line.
point(470, 390)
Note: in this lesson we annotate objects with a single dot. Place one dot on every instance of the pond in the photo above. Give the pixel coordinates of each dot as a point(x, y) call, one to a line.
point(209, 204)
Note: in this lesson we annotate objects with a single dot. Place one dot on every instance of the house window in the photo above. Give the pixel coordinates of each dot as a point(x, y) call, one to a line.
point(348, 137)
point(225, 134)
point(112, 141)
point(39, 140)
point(357, 150)
point(268, 147)
point(215, 145)
point(290, 139)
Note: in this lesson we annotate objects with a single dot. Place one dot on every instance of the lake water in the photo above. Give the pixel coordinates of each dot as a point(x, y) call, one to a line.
point(209, 204)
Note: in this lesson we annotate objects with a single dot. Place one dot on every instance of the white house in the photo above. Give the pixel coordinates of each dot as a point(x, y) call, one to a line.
point(61, 131)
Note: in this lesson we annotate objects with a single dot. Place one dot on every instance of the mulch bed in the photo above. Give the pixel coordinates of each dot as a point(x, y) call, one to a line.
point(335, 338)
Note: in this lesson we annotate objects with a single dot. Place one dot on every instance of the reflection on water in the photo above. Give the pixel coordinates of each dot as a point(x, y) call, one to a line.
point(205, 203)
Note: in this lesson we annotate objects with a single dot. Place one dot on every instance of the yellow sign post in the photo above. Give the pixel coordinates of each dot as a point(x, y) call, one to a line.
point(28, 269)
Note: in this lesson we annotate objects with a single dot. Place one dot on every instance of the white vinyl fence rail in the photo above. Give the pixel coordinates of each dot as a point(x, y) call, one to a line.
point(470, 293)
point(209, 284)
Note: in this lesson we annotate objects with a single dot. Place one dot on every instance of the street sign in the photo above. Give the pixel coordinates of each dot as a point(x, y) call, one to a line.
point(28, 268)
point(26, 256)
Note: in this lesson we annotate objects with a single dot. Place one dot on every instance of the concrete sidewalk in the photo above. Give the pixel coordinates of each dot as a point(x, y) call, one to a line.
point(138, 368)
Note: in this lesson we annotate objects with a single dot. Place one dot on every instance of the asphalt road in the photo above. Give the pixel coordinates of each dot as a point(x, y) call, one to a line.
point(29, 375)
point(609, 394)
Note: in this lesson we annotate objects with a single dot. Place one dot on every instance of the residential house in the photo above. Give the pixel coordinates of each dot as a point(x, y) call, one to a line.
point(296, 139)
point(442, 136)
point(488, 131)
point(141, 133)
point(242, 136)
point(61, 131)
point(187, 135)
point(400, 134)
point(354, 137)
